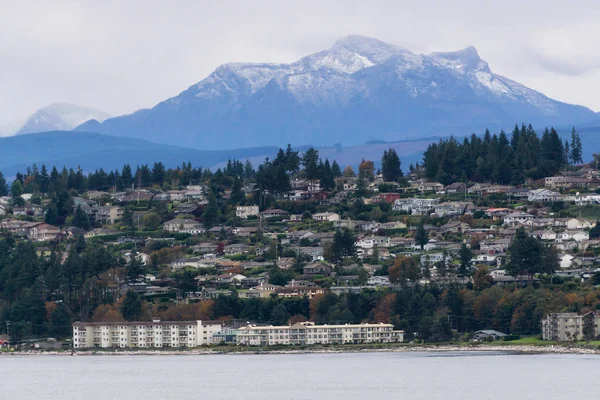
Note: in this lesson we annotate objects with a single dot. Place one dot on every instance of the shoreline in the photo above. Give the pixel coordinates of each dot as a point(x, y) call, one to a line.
point(517, 349)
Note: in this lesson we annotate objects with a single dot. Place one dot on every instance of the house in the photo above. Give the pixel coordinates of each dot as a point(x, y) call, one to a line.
point(456, 187)
point(326, 217)
point(373, 241)
point(430, 187)
point(543, 195)
point(274, 213)
point(236, 249)
point(230, 278)
point(43, 232)
point(488, 334)
point(556, 182)
point(577, 236)
point(316, 253)
point(544, 234)
point(182, 225)
point(378, 281)
point(317, 269)
point(137, 196)
point(295, 236)
point(32, 210)
point(416, 206)
point(453, 208)
point(109, 214)
point(454, 227)
point(286, 262)
point(185, 209)
point(517, 217)
point(566, 261)
point(244, 212)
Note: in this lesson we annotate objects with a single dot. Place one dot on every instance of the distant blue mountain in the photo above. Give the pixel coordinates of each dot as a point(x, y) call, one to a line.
point(360, 89)
point(92, 151)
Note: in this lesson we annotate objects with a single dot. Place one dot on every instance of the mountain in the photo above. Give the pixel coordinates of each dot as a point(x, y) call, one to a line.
point(92, 151)
point(359, 89)
point(60, 116)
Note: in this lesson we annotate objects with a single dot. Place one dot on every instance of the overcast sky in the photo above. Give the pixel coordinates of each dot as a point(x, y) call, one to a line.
point(122, 55)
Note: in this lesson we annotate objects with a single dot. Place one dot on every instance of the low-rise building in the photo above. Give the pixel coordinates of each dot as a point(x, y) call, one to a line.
point(144, 334)
point(564, 327)
point(244, 212)
point(306, 333)
point(326, 217)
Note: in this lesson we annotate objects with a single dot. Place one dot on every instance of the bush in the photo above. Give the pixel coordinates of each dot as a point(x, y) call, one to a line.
point(509, 338)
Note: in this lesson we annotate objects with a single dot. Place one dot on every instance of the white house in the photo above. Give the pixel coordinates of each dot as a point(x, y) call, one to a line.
point(378, 281)
point(517, 217)
point(372, 241)
point(326, 217)
point(566, 260)
point(577, 236)
point(244, 212)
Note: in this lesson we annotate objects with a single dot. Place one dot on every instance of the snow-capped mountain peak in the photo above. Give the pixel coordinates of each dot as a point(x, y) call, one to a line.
point(465, 60)
point(358, 88)
point(61, 117)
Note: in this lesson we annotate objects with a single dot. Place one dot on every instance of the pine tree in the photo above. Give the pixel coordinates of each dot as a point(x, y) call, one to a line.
point(327, 180)
point(335, 169)
point(135, 266)
point(3, 186)
point(390, 166)
point(310, 163)
point(576, 148)
point(131, 308)
point(81, 220)
point(421, 236)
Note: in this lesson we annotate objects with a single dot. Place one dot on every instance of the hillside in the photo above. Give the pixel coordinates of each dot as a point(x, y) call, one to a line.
point(93, 150)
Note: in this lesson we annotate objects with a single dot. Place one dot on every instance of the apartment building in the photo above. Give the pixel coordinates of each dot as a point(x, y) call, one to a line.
point(145, 334)
point(564, 327)
point(303, 333)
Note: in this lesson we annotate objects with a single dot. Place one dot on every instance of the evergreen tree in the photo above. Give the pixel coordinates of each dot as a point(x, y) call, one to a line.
point(390, 166)
point(576, 148)
point(131, 308)
point(135, 266)
point(466, 255)
point(335, 169)
point(421, 236)
point(81, 220)
point(211, 212)
point(526, 254)
point(3, 185)
point(327, 178)
point(310, 163)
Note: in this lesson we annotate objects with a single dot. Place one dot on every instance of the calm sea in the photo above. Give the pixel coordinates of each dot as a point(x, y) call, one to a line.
point(302, 376)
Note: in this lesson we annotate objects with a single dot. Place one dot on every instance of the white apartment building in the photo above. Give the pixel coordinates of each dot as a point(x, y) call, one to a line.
point(144, 334)
point(244, 212)
point(304, 333)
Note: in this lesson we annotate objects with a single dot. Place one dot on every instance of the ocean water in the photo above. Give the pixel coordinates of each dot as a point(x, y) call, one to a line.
point(302, 376)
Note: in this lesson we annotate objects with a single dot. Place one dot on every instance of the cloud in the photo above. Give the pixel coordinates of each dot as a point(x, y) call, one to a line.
point(122, 55)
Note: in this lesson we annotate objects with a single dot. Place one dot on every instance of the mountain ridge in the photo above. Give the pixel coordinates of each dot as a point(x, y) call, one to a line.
point(360, 88)
point(60, 116)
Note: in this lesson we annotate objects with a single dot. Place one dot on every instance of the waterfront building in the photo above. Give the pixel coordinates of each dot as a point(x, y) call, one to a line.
point(144, 334)
point(306, 333)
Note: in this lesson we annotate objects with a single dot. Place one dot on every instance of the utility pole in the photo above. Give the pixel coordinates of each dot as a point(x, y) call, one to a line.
point(8, 324)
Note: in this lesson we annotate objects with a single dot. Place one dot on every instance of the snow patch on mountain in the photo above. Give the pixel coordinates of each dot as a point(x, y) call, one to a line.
point(61, 117)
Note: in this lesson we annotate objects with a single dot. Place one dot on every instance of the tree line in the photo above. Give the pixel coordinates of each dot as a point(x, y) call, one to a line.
point(499, 158)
